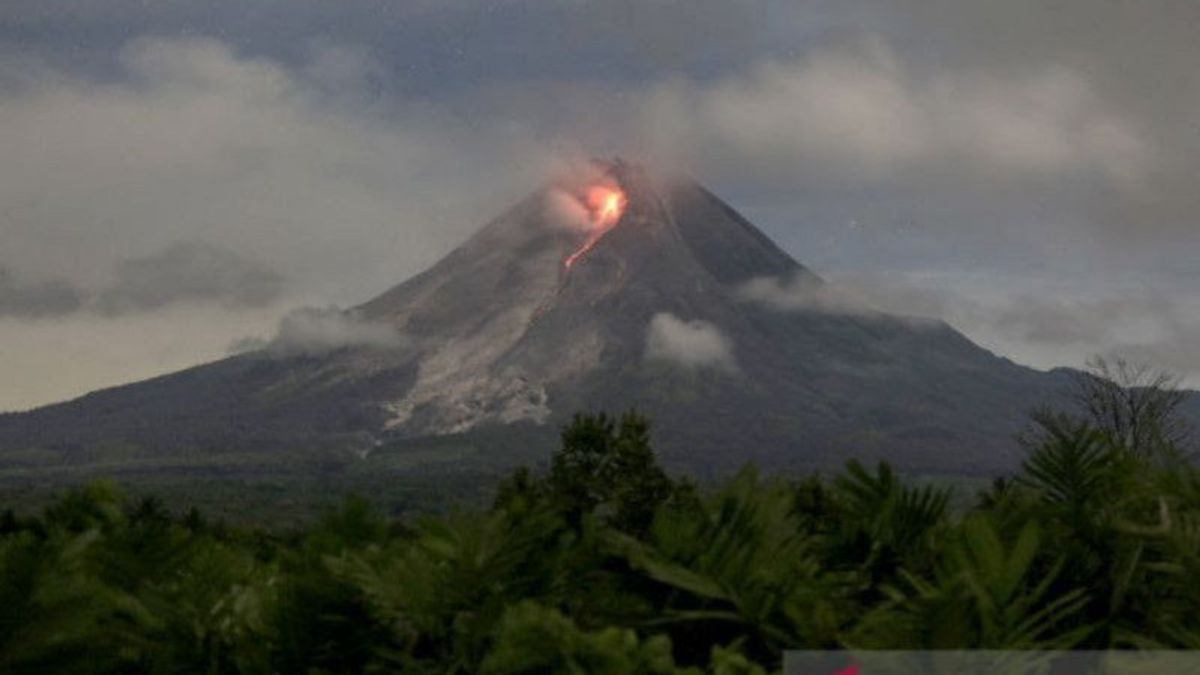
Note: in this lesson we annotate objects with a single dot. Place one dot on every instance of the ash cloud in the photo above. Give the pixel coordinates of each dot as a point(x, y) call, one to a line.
point(690, 344)
point(312, 331)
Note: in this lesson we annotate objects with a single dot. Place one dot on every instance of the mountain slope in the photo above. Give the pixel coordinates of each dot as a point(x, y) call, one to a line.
point(502, 339)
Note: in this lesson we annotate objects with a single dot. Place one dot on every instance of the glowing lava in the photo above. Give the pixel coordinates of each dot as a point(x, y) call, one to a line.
point(605, 205)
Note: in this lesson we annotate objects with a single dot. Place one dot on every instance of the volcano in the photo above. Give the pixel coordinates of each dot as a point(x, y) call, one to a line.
point(643, 300)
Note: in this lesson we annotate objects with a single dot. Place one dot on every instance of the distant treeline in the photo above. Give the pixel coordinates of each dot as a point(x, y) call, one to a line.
point(605, 564)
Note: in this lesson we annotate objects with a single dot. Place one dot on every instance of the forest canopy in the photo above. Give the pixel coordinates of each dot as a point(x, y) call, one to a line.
point(604, 563)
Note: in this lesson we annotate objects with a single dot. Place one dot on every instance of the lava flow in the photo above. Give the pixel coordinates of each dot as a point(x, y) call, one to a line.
point(605, 205)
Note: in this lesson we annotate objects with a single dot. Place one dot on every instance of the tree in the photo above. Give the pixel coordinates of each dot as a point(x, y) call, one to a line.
point(883, 523)
point(609, 469)
point(740, 569)
point(986, 592)
point(1136, 405)
point(536, 639)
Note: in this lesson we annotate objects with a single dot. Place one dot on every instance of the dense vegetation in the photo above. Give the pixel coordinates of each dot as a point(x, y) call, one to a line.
point(604, 564)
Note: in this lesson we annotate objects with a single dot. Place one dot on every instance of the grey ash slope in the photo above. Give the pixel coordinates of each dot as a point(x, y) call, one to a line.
point(502, 343)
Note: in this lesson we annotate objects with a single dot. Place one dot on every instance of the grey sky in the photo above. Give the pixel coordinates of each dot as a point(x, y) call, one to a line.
point(1025, 169)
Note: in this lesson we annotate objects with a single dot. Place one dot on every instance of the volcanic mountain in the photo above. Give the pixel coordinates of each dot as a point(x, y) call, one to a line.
point(648, 294)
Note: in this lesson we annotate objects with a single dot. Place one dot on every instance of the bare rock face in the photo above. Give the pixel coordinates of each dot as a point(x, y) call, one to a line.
point(614, 291)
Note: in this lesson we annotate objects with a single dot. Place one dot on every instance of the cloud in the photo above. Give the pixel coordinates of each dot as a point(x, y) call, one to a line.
point(691, 344)
point(1035, 321)
point(310, 331)
point(1139, 57)
point(63, 356)
point(859, 110)
point(565, 200)
point(1044, 323)
point(1156, 328)
point(566, 211)
point(800, 293)
point(191, 272)
point(42, 299)
point(298, 167)
point(1004, 136)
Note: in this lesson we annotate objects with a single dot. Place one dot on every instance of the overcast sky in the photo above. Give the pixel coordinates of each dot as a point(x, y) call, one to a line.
point(177, 176)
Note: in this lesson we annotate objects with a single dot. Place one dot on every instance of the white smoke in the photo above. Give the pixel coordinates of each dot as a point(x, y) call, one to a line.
point(691, 344)
point(798, 294)
point(311, 331)
point(565, 211)
point(564, 202)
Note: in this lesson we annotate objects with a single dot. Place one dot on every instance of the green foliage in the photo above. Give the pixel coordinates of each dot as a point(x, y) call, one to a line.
point(605, 564)
point(534, 639)
point(986, 593)
point(440, 592)
point(740, 568)
point(884, 525)
point(611, 469)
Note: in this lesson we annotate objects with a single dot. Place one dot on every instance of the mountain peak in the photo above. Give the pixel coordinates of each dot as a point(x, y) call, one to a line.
point(610, 218)
point(566, 283)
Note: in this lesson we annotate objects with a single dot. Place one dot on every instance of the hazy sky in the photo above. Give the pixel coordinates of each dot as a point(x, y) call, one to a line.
point(177, 176)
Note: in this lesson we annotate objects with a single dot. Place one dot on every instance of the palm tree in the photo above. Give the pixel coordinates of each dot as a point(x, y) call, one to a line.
point(739, 568)
point(442, 591)
point(985, 593)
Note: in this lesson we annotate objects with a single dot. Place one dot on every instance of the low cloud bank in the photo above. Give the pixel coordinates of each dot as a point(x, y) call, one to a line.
point(691, 344)
point(191, 272)
point(1034, 321)
point(310, 331)
point(799, 293)
point(184, 273)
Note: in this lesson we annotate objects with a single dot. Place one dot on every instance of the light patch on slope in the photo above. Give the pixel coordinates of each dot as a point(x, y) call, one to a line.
point(458, 372)
point(691, 344)
point(458, 385)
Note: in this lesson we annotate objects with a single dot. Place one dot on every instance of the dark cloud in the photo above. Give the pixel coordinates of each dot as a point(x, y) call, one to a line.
point(184, 273)
point(33, 300)
point(429, 47)
point(191, 272)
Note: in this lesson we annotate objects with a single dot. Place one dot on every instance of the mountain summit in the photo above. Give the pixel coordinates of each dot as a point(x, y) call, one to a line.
point(559, 290)
point(612, 289)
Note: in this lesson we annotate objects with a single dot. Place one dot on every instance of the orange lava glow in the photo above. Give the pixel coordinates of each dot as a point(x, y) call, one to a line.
point(605, 205)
